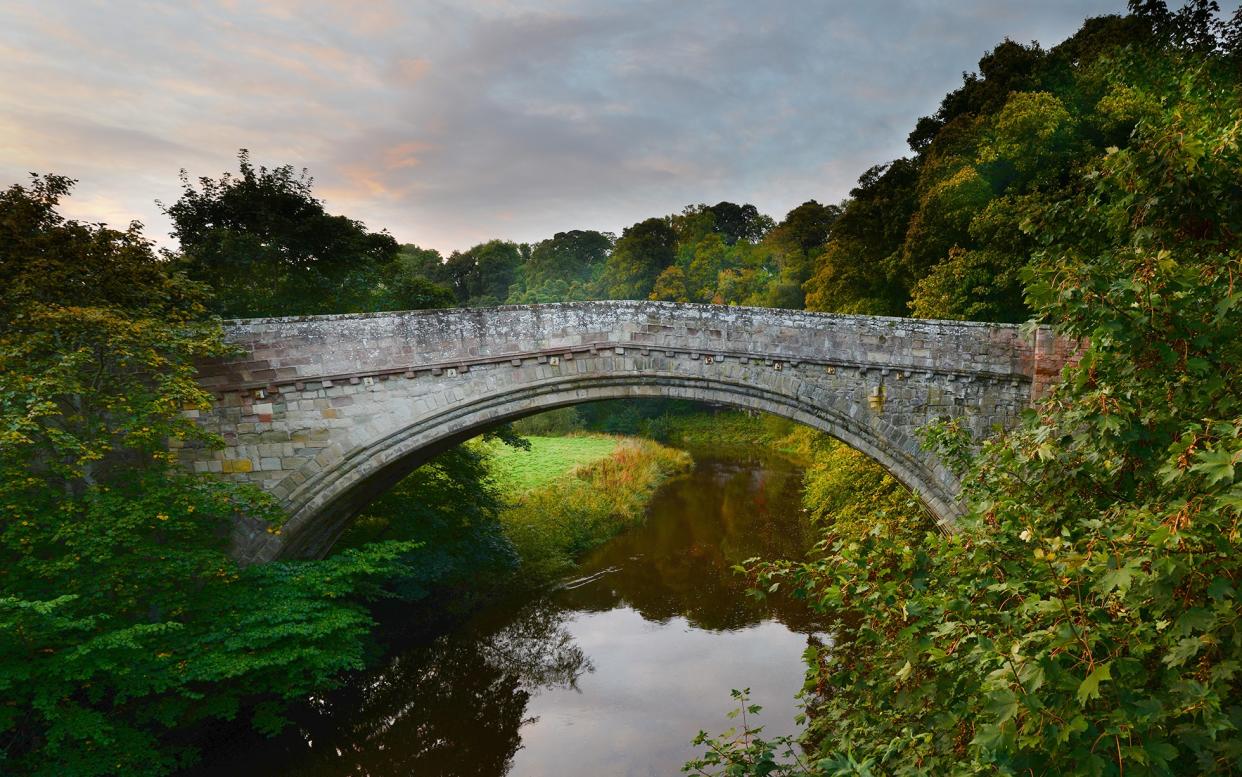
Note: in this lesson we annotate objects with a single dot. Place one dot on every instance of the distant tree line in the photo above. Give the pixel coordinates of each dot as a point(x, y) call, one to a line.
point(937, 234)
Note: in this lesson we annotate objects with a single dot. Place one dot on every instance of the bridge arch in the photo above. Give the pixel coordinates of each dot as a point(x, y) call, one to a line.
point(328, 412)
point(323, 505)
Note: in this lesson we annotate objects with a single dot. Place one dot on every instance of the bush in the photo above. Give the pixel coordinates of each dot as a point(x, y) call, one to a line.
point(552, 423)
point(122, 617)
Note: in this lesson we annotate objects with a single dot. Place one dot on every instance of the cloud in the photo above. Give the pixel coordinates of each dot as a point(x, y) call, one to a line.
point(410, 71)
point(433, 119)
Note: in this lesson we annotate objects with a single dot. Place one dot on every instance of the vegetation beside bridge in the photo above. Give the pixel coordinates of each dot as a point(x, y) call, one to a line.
point(1085, 621)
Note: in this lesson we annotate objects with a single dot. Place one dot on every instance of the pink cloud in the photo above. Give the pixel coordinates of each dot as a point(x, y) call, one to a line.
point(410, 71)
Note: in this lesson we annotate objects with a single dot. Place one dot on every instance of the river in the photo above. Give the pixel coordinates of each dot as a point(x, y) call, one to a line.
point(611, 672)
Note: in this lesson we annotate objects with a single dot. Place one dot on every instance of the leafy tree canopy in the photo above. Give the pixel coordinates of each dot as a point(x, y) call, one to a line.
point(1085, 618)
point(643, 251)
point(573, 256)
point(482, 275)
point(123, 620)
point(268, 247)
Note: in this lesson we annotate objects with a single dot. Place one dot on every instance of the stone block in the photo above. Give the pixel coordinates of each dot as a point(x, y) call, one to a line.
point(236, 465)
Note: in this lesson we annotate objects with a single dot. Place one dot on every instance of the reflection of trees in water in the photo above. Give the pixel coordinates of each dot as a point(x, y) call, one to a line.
point(452, 707)
point(538, 648)
point(681, 562)
point(455, 705)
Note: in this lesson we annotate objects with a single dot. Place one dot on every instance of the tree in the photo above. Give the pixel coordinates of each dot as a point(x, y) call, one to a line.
point(122, 617)
point(416, 280)
point(806, 227)
point(796, 243)
point(1084, 620)
point(711, 256)
point(694, 223)
point(951, 189)
point(739, 222)
point(571, 256)
point(1193, 27)
point(922, 234)
point(1010, 67)
point(268, 247)
point(482, 275)
point(856, 272)
point(984, 283)
point(426, 263)
point(671, 286)
point(450, 508)
point(404, 290)
point(639, 256)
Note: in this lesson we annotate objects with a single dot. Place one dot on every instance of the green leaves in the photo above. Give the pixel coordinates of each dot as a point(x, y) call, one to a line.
point(1084, 619)
point(1001, 706)
point(1089, 688)
point(1216, 465)
point(266, 224)
point(1119, 579)
point(123, 618)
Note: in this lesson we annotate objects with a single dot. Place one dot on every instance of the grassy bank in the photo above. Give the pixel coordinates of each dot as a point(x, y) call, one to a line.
point(549, 459)
point(579, 491)
point(844, 491)
point(556, 515)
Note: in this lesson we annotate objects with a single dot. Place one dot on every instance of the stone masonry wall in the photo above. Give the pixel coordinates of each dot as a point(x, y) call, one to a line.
point(327, 412)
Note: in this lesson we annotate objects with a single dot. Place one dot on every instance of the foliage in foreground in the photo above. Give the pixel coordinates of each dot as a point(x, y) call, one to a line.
point(1085, 620)
point(123, 621)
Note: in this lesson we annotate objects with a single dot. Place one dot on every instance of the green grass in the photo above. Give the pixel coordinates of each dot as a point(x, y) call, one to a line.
point(588, 502)
point(549, 459)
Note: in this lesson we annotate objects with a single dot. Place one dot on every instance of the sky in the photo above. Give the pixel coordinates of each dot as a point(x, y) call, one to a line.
point(451, 123)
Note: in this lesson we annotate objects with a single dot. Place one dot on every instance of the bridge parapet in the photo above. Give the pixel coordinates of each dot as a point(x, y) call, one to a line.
point(281, 351)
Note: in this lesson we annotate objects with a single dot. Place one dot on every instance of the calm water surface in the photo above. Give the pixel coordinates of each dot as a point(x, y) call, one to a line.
point(612, 672)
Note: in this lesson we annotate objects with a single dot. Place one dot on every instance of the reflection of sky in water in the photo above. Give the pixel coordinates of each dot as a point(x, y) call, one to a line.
point(611, 673)
point(654, 686)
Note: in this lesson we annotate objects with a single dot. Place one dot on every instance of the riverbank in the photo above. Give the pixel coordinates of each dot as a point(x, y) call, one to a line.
point(843, 491)
point(735, 429)
point(567, 495)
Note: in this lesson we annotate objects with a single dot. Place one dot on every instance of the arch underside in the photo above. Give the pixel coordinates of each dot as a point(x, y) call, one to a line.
point(322, 505)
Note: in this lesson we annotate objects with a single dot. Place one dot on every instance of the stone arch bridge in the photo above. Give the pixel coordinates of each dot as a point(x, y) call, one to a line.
point(327, 412)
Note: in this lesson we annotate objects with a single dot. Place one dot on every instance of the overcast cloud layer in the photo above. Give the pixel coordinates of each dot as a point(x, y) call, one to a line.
point(451, 123)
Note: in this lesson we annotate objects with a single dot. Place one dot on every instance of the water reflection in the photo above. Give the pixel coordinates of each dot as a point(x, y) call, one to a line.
point(450, 707)
point(612, 672)
point(680, 563)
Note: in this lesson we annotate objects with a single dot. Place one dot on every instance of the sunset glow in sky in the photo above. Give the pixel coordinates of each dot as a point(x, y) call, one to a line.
point(448, 123)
